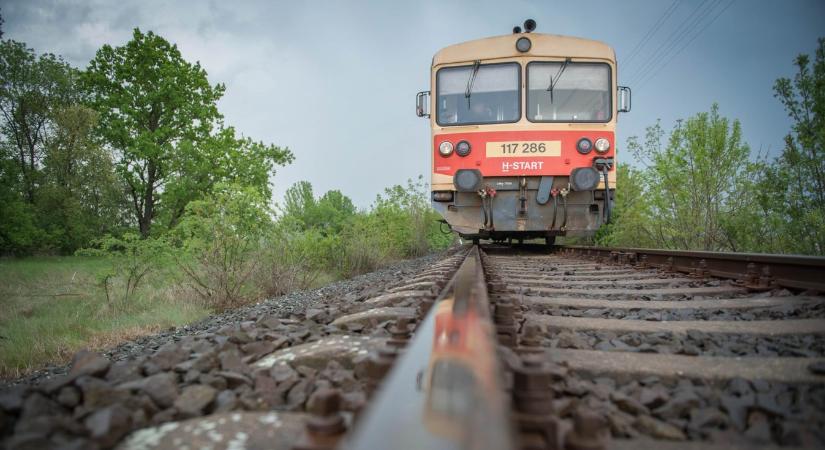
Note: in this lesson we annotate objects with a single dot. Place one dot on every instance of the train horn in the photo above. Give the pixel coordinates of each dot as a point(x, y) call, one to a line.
point(516, 30)
point(529, 25)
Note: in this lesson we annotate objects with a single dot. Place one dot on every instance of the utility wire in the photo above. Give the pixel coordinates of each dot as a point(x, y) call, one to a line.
point(650, 75)
point(674, 36)
point(639, 45)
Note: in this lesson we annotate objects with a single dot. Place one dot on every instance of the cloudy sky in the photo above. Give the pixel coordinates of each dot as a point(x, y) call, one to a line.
point(335, 81)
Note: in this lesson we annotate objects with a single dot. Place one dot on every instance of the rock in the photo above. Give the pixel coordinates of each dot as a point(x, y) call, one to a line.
point(653, 397)
point(194, 399)
point(162, 388)
point(314, 314)
point(36, 405)
point(98, 393)
point(226, 401)
point(283, 373)
point(267, 388)
point(353, 401)
point(169, 356)
point(759, 429)
point(123, 371)
point(628, 404)
point(108, 425)
point(69, 396)
point(217, 382)
point(54, 384)
point(570, 339)
point(234, 379)
point(256, 350)
point(11, 399)
point(679, 405)
point(88, 363)
point(28, 441)
point(297, 396)
point(659, 429)
point(737, 409)
point(202, 362)
point(707, 417)
point(231, 362)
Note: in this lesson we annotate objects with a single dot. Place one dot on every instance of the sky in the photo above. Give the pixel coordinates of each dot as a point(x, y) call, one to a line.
point(335, 81)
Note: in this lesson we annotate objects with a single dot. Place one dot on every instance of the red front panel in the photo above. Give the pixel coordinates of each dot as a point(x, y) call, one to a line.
point(520, 162)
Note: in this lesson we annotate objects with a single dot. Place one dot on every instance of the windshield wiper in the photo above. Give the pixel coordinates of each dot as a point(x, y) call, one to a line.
point(555, 79)
point(469, 91)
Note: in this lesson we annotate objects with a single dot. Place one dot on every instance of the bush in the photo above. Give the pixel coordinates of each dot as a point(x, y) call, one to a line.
point(294, 259)
point(221, 239)
point(132, 259)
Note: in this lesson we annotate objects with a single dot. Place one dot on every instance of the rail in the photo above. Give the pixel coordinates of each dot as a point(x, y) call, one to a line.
point(446, 390)
point(754, 271)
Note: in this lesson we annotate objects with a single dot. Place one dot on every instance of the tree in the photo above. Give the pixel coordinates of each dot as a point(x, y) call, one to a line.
point(697, 186)
point(796, 181)
point(150, 101)
point(224, 158)
point(31, 87)
point(80, 198)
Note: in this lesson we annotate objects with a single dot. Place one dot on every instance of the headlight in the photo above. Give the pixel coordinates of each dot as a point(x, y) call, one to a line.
point(446, 148)
point(523, 44)
point(462, 148)
point(584, 146)
point(602, 145)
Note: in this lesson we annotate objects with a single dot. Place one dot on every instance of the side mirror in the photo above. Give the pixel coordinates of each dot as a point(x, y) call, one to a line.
point(624, 99)
point(422, 104)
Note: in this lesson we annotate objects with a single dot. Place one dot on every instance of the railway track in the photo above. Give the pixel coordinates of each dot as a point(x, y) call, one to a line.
point(584, 348)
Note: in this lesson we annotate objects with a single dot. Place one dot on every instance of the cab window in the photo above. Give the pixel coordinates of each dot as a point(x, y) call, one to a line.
point(478, 94)
point(571, 92)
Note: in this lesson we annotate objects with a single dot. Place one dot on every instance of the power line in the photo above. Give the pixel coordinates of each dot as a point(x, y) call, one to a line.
point(665, 16)
point(678, 32)
point(652, 73)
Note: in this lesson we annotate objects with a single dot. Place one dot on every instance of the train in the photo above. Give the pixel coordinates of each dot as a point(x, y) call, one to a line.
point(523, 135)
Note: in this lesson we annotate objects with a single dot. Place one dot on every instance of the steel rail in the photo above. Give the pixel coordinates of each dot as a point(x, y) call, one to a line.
point(445, 391)
point(754, 270)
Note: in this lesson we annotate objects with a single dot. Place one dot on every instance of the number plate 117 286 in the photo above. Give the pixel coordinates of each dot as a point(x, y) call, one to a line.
point(516, 149)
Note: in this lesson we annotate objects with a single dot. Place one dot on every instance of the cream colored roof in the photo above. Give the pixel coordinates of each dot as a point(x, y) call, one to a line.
point(546, 45)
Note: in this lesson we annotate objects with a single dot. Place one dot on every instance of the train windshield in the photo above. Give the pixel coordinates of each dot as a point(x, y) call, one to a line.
point(478, 94)
point(571, 92)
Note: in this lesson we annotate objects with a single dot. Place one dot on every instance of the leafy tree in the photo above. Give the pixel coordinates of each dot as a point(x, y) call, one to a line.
point(631, 214)
point(150, 100)
point(159, 116)
point(80, 198)
point(696, 190)
point(224, 158)
point(327, 214)
point(30, 88)
point(796, 181)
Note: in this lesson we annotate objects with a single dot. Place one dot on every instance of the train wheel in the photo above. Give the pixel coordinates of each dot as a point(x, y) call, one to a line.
point(549, 241)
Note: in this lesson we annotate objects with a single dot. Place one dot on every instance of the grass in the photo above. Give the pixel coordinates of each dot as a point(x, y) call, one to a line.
point(50, 307)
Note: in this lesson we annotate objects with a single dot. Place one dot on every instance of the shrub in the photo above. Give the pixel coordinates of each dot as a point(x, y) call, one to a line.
point(221, 239)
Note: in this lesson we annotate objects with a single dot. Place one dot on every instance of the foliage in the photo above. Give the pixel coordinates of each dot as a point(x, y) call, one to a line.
point(221, 239)
point(694, 192)
point(56, 183)
point(132, 259)
point(150, 100)
point(795, 183)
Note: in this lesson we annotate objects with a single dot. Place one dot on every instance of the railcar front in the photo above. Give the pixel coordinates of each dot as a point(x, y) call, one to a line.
point(523, 135)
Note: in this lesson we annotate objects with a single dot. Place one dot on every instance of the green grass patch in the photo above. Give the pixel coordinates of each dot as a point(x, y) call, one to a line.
point(53, 306)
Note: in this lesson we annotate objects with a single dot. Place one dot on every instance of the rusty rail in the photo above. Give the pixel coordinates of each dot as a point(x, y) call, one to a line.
point(446, 390)
point(754, 271)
